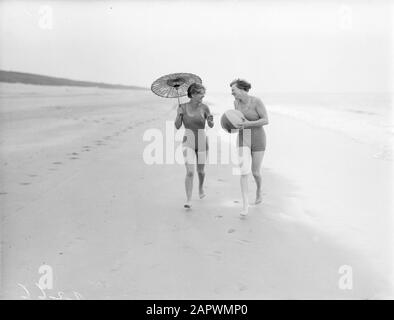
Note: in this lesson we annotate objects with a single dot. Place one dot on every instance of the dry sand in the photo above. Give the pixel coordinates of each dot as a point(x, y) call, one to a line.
point(76, 194)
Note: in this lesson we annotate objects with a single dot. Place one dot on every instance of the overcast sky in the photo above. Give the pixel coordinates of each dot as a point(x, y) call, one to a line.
point(308, 46)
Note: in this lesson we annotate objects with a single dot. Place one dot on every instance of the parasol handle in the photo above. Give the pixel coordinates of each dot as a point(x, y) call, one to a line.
point(179, 102)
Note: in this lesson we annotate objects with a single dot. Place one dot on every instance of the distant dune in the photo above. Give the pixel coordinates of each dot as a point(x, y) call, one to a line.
point(29, 78)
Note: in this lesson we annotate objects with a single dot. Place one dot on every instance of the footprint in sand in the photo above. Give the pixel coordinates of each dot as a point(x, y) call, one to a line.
point(236, 201)
point(24, 183)
point(218, 216)
point(217, 254)
point(231, 230)
point(242, 241)
point(242, 286)
point(57, 162)
point(74, 158)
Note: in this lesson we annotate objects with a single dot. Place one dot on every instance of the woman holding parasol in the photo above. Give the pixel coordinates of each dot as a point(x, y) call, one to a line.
point(193, 115)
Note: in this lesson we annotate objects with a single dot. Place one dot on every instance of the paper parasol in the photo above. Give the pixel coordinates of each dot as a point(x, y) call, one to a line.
point(174, 85)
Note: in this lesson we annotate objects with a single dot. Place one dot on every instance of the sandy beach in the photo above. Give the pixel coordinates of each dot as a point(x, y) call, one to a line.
point(76, 194)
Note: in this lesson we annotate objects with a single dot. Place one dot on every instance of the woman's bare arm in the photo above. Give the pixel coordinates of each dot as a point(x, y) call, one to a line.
point(179, 116)
point(262, 112)
point(209, 117)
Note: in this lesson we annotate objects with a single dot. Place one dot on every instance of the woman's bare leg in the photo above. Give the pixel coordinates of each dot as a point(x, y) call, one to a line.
point(245, 166)
point(201, 159)
point(201, 177)
point(257, 160)
point(244, 192)
point(189, 184)
point(190, 167)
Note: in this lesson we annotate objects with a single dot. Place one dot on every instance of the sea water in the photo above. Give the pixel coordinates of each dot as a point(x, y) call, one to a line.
point(364, 117)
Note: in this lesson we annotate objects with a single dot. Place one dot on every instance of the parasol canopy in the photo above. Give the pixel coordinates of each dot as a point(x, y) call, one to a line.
point(174, 85)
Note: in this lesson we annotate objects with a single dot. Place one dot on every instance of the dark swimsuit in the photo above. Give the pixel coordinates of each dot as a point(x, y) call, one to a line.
point(256, 141)
point(195, 137)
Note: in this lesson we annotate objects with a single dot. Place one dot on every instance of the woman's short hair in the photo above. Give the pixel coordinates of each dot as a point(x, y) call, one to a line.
point(195, 88)
point(241, 84)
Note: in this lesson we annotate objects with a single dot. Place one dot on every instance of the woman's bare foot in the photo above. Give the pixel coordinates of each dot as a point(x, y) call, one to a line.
point(244, 212)
point(202, 193)
point(188, 205)
point(259, 197)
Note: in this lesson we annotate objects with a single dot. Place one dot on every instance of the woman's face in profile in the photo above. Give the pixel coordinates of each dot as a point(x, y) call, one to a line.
point(199, 96)
point(235, 91)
